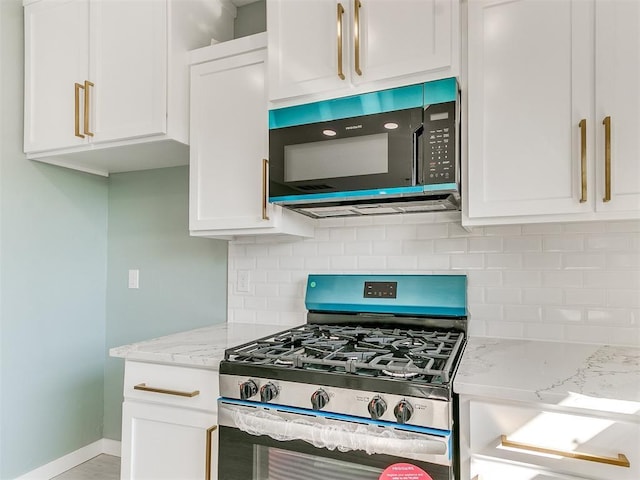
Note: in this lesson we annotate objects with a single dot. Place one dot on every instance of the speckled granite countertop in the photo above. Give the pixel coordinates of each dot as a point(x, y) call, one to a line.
point(604, 378)
point(202, 347)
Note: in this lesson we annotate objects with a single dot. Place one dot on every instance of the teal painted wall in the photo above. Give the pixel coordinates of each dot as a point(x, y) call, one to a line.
point(182, 279)
point(53, 244)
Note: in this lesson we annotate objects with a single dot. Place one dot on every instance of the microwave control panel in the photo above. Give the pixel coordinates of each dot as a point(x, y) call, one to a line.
point(439, 144)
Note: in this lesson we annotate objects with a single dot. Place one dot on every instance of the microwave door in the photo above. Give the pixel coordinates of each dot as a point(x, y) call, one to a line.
point(362, 153)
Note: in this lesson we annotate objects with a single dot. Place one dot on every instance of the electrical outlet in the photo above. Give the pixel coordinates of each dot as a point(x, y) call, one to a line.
point(242, 283)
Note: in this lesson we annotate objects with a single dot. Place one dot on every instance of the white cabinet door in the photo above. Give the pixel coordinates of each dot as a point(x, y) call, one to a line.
point(167, 442)
point(128, 66)
point(228, 142)
point(337, 48)
point(56, 57)
point(229, 145)
point(618, 99)
point(303, 46)
point(529, 88)
point(403, 37)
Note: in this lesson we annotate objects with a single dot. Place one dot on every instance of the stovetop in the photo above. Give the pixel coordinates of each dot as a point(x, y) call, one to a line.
point(416, 355)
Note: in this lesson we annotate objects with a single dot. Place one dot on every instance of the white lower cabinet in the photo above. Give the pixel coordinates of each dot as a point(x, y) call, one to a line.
point(169, 423)
point(514, 441)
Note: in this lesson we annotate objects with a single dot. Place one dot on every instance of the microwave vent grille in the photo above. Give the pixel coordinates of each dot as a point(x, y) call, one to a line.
point(314, 187)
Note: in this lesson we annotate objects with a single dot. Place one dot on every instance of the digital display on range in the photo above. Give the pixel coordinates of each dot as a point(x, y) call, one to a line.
point(380, 289)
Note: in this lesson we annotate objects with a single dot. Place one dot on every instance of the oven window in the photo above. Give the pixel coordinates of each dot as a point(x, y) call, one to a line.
point(277, 464)
point(344, 157)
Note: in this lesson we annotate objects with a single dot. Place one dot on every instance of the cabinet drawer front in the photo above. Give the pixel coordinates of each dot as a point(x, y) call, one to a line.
point(493, 470)
point(561, 441)
point(171, 385)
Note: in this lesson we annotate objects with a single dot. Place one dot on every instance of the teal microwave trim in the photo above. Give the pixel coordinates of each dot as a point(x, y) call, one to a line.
point(376, 192)
point(426, 295)
point(440, 91)
point(390, 100)
point(354, 106)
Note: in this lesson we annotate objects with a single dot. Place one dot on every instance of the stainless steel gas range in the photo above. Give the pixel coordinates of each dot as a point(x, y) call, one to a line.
point(363, 390)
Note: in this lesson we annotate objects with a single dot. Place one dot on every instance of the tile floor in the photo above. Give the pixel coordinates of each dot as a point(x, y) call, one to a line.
point(102, 467)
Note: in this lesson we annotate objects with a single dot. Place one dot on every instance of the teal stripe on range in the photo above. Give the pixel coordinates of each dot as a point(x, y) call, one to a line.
point(436, 295)
point(346, 107)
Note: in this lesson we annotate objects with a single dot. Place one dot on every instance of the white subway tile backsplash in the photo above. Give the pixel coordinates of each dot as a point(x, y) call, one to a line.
point(623, 298)
point(467, 261)
point(504, 260)
point(503, 295)
point(609, 242)
point(400, 263)
point(343, 263)
point(433, 262)
point(371, 233)
point(450, 245)
point(542, 261)
point(582, 261)
point(563, 243)
point(542, 296)
point(485, 245)
point(584, 296)
point(391, 247)
point(574, 281)
point(372, 263)
point(532, 243)
point(522, 278)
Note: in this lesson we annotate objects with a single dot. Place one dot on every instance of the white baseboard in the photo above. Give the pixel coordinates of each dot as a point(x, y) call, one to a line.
point(73, 459)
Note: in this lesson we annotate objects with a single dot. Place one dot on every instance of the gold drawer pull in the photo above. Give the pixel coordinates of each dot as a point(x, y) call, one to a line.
point(621, 461)
point(77, 88)
point(207, 453)
point(143, 387)
point(607, 159)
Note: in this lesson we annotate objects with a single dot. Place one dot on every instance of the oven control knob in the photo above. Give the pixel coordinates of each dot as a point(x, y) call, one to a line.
point(377, 406)
point(268, 392)
point(403, 411)
point(248, 389)
point(319, 399)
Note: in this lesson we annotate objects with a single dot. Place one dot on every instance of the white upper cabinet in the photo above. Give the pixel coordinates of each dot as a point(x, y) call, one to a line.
point(324, 48)
point(538, 94)
point(106, 73)
point(228, 170)
point(618, 103)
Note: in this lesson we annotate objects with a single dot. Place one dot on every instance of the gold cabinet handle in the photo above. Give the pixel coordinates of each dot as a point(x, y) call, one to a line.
point(207, 454)
point(77, 110)
point(607, 159)
point(265, 188)
point(87, 96)
point(583, 160)
point(340, 14)
point(620, 461)
point(356, 35)
point(143, 387)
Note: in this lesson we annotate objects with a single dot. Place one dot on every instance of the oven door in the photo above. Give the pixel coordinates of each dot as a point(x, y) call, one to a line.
point(271, 442)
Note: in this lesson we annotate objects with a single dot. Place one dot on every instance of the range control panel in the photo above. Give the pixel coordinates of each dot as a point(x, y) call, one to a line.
point(380, 289)
point(439, 144)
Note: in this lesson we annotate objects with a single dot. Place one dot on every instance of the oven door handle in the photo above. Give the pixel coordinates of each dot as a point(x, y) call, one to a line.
point(323, 432)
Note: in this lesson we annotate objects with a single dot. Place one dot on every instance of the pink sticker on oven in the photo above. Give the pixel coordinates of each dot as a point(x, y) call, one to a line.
point(404, 471)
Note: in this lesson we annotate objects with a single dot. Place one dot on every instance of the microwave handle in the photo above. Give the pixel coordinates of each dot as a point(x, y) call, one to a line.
point(417, 149)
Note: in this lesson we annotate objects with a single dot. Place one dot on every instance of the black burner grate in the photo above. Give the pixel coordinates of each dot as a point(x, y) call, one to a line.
point(426, 356)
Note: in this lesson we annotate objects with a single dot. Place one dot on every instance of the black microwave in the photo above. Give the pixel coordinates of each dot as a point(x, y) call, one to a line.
point(390, 151)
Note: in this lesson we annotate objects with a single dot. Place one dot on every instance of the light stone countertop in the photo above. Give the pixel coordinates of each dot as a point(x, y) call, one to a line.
point(593, 377)
point(202, 347)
